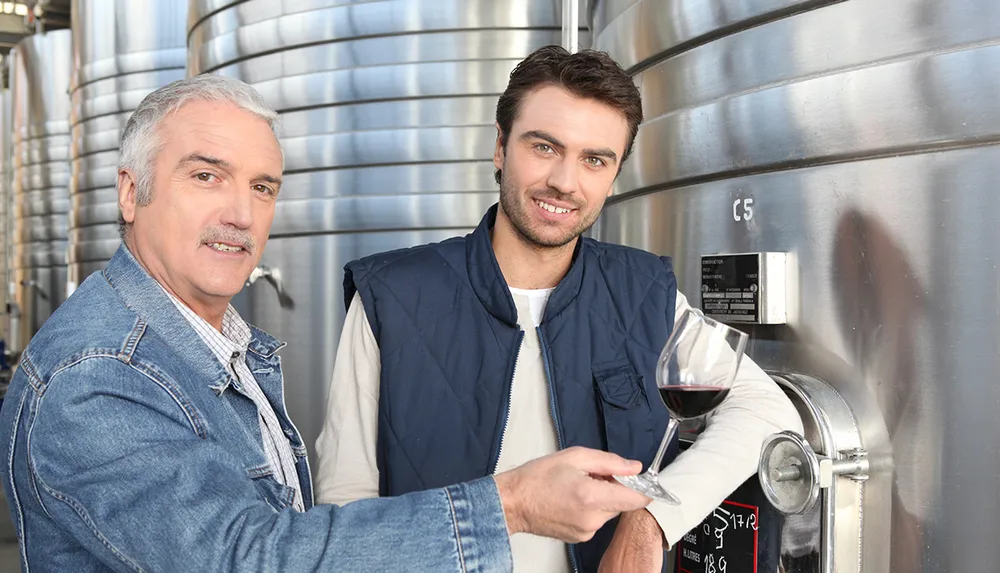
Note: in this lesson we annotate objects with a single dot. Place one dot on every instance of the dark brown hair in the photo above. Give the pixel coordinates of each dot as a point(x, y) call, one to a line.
point(587, 74)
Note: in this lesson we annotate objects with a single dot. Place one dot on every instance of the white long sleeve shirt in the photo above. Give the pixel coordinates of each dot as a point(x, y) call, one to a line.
point(721, 459)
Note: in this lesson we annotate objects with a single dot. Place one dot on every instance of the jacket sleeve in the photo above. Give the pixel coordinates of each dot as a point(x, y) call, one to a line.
point(347, 468)
point(121, 461)
point(726, 453)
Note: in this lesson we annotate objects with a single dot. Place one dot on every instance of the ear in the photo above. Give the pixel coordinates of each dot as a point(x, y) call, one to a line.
point(127, 189)
point(498, 152)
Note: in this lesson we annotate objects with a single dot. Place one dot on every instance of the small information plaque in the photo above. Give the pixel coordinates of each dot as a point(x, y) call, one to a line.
point(755, 288)
point(730, 287)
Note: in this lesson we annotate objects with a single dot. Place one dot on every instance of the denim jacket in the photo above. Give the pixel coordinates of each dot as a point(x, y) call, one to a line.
point(124, 451)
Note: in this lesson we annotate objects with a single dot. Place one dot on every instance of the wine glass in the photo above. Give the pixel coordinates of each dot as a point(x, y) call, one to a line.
point(694, 374)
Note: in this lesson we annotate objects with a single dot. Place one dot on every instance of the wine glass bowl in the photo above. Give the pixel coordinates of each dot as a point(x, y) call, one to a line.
point(694, 374)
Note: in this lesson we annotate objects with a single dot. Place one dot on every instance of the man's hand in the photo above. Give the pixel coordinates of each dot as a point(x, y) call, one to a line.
point(637, 546)
point(567, 495)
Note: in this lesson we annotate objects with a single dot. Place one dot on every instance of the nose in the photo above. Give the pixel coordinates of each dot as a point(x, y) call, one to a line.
point(238, 210)
point(563, 176)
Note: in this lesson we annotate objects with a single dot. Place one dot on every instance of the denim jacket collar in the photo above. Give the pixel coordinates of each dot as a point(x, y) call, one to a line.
point(141, 293)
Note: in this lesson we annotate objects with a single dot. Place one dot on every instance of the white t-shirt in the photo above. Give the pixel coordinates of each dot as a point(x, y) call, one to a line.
point(537, 298)
point(530, 432)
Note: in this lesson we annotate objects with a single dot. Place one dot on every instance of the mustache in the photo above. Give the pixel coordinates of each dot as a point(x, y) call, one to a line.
point(229, 235)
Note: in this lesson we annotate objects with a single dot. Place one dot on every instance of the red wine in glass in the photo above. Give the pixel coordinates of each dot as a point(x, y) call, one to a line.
point(694, 374)
point(686, 402)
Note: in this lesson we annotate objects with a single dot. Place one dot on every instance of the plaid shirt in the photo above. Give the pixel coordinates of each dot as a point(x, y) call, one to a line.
point(230, 347)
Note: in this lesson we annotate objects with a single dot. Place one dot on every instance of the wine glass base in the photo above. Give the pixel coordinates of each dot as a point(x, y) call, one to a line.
point(648, 486)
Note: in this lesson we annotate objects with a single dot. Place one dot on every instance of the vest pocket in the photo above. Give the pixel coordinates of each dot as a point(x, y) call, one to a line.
point(618, 384)
point(624, 407)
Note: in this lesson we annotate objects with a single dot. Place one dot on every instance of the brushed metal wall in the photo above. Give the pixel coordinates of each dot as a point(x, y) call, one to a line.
point(122, 50)
point(388, 111)
point(865, 135)
point(40, 75)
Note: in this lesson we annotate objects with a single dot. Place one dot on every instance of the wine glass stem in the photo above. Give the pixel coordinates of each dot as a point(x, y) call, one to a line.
point(654, 468)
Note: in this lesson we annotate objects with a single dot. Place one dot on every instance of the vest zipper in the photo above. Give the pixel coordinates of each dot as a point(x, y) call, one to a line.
point(554, 408)
point(506, 409)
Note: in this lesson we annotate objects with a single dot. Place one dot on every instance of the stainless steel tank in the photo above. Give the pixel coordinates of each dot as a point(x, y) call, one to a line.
point(858, 141)
point(5, 199)
point(40, 89)
point(388, 130)
point(8, 533)
point(122, 50)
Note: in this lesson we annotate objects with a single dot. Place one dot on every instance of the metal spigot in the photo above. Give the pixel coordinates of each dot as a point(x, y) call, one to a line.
point(31, 283)
point(273, 276)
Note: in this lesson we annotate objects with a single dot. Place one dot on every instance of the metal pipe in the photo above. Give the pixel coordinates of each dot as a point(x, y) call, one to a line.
point(571, 25)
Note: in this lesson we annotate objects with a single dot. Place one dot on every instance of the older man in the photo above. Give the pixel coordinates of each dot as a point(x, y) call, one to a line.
point(145, 428)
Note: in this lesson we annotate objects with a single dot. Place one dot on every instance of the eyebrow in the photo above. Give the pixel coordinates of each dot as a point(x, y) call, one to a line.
point(268, 179)
point(199, 158)
point(535, 134)
point(602, 152)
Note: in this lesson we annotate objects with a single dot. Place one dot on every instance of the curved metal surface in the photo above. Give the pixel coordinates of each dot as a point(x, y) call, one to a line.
point(639, 32)
point(257, 27)
point(40, 75)
point(49, 175)
point(40, 201)
point(122, 51)
point(40, 106)
point(6, 208)
point(390, 180)
point(116, 37)
point(865, 136)
point(92, 246)
point(119, 94)
point(388, 113)
point(417, 80)
point(46, 256)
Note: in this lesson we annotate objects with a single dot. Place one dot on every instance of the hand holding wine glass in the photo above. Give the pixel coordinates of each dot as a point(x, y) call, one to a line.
point(694, 374)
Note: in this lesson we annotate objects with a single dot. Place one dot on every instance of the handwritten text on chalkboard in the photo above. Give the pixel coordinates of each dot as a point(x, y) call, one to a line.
point(725, 542)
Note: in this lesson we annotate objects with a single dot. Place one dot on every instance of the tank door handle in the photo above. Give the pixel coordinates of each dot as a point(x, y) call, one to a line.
point(273, 276)
point(792, 474)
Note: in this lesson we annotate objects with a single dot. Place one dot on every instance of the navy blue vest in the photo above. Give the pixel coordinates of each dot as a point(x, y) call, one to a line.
point(448, 335)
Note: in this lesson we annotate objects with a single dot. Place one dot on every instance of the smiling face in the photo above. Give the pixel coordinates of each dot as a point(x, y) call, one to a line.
point(215, 181)
point(558, 166)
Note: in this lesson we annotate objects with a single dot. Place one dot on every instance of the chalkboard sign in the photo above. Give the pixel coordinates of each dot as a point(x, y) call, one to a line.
point(742, 535)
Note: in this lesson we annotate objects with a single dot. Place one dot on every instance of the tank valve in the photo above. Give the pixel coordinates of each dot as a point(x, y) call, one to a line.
point(792, 474)
point(273, 276)
point(30, 283)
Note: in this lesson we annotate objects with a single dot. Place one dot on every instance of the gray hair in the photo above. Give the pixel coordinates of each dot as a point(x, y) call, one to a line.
point(140, 141)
